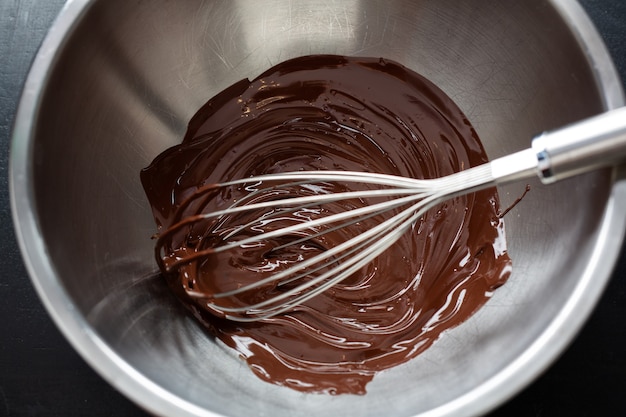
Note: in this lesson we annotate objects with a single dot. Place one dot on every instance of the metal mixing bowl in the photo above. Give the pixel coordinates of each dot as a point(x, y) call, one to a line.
point(115, 83)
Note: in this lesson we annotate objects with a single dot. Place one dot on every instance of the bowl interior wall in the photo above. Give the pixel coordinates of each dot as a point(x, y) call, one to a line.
point(131, 75)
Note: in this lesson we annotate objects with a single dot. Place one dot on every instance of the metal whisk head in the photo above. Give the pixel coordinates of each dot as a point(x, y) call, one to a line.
point(404, 200)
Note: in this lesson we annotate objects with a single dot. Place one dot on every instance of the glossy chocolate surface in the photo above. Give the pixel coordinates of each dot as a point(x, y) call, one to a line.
point(333, 113)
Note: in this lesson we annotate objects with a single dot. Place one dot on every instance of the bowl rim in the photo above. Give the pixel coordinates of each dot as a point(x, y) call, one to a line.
point(155, 399)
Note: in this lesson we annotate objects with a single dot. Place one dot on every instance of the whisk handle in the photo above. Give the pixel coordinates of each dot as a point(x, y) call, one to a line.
point(581, 147)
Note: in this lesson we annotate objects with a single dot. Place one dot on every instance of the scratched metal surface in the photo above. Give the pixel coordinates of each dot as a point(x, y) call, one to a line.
point(41, 375)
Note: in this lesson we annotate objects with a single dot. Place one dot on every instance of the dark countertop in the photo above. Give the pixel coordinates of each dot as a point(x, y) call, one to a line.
point(41, 374)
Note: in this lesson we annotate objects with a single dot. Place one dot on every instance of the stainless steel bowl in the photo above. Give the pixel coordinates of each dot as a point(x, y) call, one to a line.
point(115, 83)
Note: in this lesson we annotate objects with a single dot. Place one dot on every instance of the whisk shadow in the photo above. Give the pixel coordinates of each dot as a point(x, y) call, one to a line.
point(145, 317)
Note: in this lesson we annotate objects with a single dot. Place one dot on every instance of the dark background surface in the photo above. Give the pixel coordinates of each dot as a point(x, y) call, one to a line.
point(41, 375)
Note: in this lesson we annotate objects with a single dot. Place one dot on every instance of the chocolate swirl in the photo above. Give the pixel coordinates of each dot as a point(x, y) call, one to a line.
point(333, 113)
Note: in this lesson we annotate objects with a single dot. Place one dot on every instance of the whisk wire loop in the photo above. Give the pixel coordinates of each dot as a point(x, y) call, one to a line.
point(335, 264)
point(395, 226)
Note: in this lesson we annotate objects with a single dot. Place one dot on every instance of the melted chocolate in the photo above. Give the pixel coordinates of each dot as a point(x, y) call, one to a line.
point(334, 113)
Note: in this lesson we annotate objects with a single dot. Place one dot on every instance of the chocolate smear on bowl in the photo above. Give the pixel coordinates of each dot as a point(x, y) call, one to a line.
point(327, 112)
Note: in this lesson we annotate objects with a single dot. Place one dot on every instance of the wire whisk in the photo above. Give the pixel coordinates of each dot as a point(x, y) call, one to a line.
point(578, 148)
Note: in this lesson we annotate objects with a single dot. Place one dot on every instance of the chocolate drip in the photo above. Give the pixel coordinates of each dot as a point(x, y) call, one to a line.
point(333, 113)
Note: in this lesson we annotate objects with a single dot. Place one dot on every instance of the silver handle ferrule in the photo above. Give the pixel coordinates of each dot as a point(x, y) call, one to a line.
point(581, 147)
